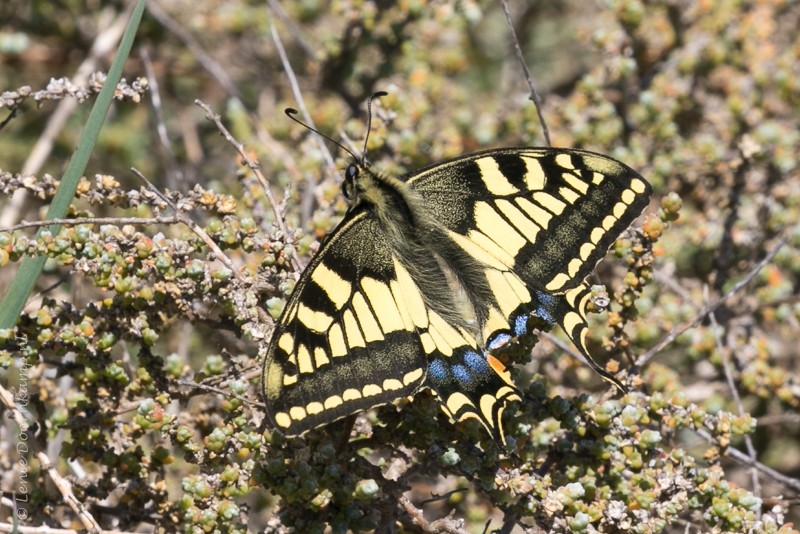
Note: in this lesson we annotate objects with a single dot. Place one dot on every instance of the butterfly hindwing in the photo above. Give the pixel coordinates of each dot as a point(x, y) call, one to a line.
point(473, 384)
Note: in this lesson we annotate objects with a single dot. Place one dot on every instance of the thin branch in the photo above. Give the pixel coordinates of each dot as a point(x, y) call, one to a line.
point(62, 88)
point(435, 497)
point(295, 30)
point(287, 158)
point(220, 391)
point(296, 92)
point(446, 524)
point(254, 166)
point(726, 367)
point(534, 96)
point(199, 232)
point(779, 419)
point(9, 118)
point(144, 221)
point(743, 458)
point(64, 487)
point(83, 421)
point(668, 280)
point(175, 173)
point(725, 255)
point(209, 63)
point(311, 185)
point(677, 331)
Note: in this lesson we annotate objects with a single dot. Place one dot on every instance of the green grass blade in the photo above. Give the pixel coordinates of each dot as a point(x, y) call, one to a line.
point(20, 288)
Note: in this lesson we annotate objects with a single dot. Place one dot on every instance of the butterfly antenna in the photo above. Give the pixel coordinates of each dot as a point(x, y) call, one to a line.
point(291, 112)
point(375, 95)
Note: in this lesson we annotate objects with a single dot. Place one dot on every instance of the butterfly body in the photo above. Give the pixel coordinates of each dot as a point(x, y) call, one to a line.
point(375, 315)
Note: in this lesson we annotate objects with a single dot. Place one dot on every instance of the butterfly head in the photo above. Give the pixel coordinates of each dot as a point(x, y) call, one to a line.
point(349, 185)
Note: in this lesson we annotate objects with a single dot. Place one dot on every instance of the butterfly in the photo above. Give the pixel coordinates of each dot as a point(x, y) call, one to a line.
point(428, 274)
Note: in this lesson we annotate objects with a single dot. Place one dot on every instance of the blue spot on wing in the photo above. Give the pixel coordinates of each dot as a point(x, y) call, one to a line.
point(468, 373)
point(547, 305)
point(463, 371)
point(462, 374)
point(498, 340)
point(475, 361)
point(438, 371)
point(543, 306)
point(520, 325)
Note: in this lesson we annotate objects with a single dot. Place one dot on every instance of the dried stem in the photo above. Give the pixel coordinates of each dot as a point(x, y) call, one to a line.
point(220, 391)
point(175, 175)
point(298, 95)
point(677, 331)
point(64, 487)
point(254, 166)
point(172, 219)
point(743, 458)
point(209, 63)
point(534, 96)
point(724, 352)
point(446, 524)
point(199, 232)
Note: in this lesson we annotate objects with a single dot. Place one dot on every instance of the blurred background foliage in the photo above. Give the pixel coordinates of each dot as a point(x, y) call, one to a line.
point(702, 98)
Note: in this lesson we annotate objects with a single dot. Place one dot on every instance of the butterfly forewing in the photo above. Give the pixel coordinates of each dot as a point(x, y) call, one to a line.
point(550, 214)
point(347, 339)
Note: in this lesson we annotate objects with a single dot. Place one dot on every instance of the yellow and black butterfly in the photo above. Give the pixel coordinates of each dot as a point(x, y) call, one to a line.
point(374, 316)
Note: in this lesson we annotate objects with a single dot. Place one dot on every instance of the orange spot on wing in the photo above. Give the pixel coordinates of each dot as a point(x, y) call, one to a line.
point(497, 365)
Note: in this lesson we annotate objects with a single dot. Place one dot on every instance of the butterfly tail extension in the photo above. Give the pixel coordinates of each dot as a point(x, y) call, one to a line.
point(569, 312)
point(473, 384)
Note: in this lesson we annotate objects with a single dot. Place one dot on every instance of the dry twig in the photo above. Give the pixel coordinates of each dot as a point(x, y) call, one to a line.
point(254, 166)
point(710, 308)
point(724, 352)
point(447, 524)
point(94, 220)
point(535, 98)
point(198, 231)
point(209, 63)
point(64, 487)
